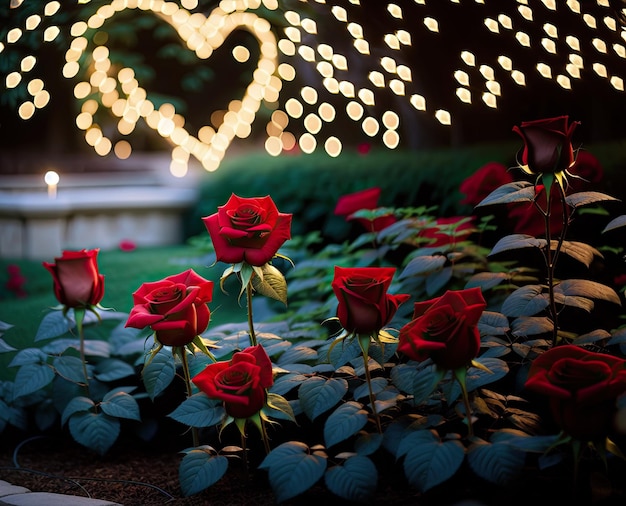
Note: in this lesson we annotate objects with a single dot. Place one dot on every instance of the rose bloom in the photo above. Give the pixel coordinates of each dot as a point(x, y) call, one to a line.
point(582, 388)
point(77, 282)
point(248, 230)
point(364, 304)
point(175, 308)
point(547, 145)
point(241, 382)
point(349, 204)
point(445, 329)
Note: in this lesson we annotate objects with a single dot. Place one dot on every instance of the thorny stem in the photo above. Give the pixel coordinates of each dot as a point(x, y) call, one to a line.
point(550, 258)
point(186, 373)
point(79, 314)
point(253, 341)
point(468, 408)
point(368, 378)
point(266, 443)
point(363, 341)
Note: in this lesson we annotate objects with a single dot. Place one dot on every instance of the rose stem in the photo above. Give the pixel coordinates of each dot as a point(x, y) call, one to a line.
point(79, 314)
point(364, 342)
point(185, 363)
point(468, 408)
point(250, 323)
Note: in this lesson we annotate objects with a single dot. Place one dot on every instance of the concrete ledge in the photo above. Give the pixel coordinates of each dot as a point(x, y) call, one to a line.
point(37, 227)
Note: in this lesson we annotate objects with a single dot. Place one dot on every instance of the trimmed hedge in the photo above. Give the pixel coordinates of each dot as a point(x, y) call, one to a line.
point(309, 185)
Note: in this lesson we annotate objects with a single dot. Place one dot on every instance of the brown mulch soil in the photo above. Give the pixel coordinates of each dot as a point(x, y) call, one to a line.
point(147, 475)
point(144, 476)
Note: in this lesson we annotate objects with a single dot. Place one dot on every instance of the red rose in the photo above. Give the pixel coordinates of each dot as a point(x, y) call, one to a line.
point(364, 304)
point(486, 179)
point(240, 382)
point(582, 387)
point(248, 230)
point(349, 204)
point(444, 329)
point(547, 145)
point(439, 238)
point(77, 282)
point(175, 308)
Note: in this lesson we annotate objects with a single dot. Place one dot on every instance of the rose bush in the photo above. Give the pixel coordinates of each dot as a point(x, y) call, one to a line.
point(77, 281)
point(364, 304)
point(582, 388)
point(440, 400)
point(240, 382)
point(175, 308)
point(248, 230)
point(444, 329)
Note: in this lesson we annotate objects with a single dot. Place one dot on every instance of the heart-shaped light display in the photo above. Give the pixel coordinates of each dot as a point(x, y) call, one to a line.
point(122, 94)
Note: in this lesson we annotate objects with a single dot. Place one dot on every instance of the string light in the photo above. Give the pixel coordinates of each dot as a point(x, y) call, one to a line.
point(104, 86)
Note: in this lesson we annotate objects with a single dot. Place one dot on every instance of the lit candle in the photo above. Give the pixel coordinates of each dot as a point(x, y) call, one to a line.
point(51, 179)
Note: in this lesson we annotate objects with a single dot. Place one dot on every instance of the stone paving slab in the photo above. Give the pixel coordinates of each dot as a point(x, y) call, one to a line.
point(12, 495)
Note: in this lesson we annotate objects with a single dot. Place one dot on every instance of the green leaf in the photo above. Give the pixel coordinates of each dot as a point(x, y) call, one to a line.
point(70, 368)
point(6, 347)
point(29, 356)
point(343, 351)
point(486, 280)
point(54, 324)
point(477, 376)
point(298, 354)
point(497, 463)
point(279, 407)
point(618, 222)
point(292, 470)
point(345, 421)
point(272, 285)
point(318, 395)
point(525, 301)
point(592, 337)
point(531, 325)
point(121, 405)
point(517, 241)
point(199, 470)
point(93, 347)
point(583, 198)
point(423, 265)
point(518, 191)
point(96, 431)
point(30, 378)
point(580, 251)
point(378, 385)
point(437, 280)
point(158, 374)
point(112, 369)
point(199, 411)
point(355, 480)
point(492, 323)
point(76, 405)
point(368, 444)
point(429, 462)
point(587, 288)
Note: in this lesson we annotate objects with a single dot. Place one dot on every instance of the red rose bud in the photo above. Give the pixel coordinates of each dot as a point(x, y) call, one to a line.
point(547, 145)
point(582, 388)
point(444, 329)
point(248, 230)
point(175, 308)
point(364, 304)
point(241, 382)
point(77, 282)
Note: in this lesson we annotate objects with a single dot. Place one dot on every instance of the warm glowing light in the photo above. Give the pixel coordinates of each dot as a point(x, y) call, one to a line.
point(443, 117)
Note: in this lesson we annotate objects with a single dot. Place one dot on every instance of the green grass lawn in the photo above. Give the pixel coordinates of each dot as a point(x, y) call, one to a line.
point(124, 272)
